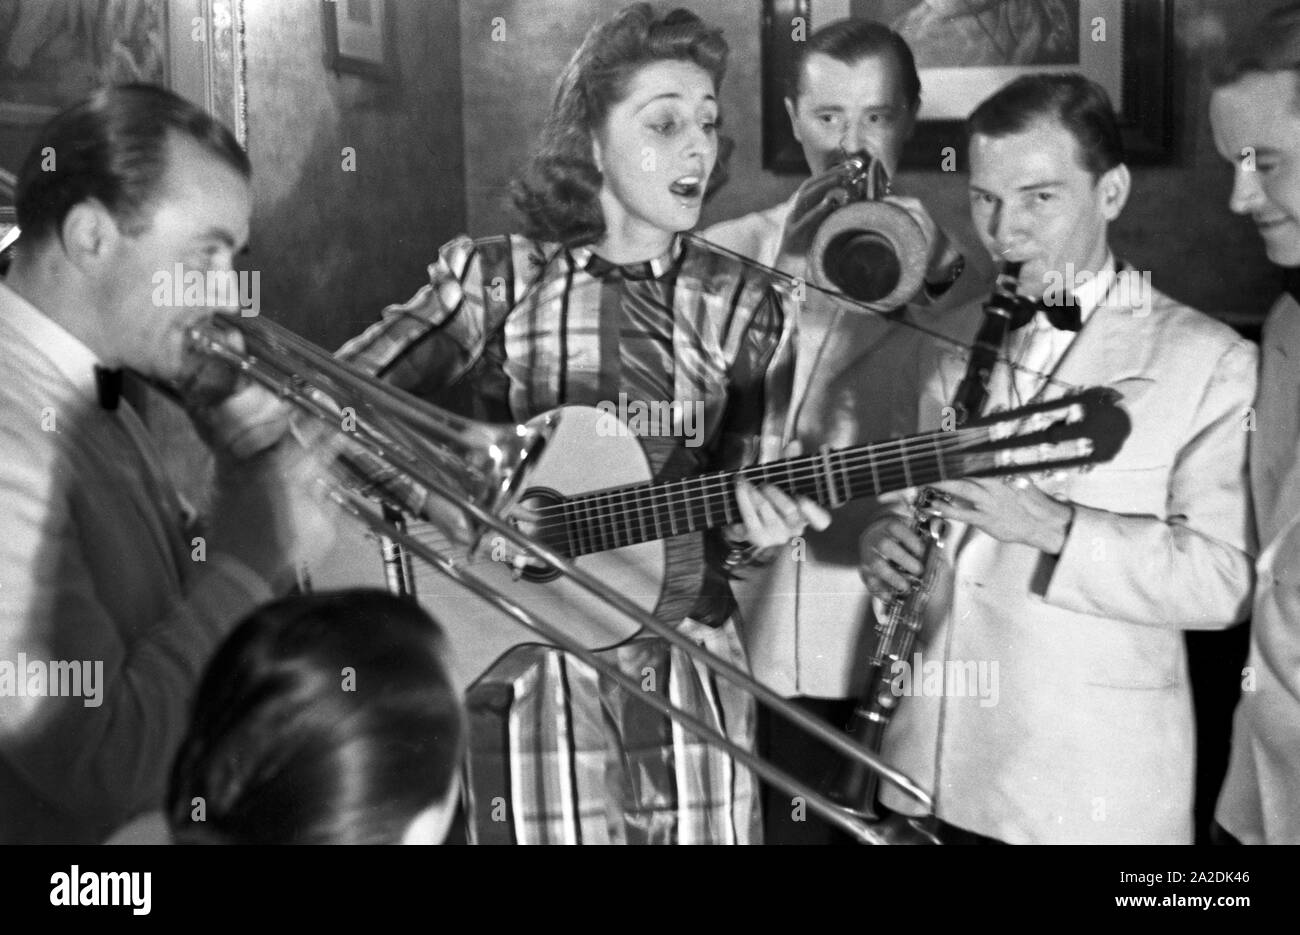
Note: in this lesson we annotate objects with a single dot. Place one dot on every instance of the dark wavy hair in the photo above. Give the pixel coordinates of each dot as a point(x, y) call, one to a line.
point(112, 147)
point(282, 750)
point(557, 193)
point(1077, 103)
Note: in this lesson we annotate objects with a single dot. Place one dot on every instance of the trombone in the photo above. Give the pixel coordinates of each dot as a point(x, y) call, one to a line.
point(399, 448)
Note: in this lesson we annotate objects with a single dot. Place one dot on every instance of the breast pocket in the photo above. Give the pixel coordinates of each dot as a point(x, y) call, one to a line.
point(1136, 478)
point(1142, 491)
point(1154, 419)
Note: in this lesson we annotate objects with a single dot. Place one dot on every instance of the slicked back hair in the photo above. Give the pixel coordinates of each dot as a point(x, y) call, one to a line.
point(1077, 103)
point(851, 40)
point(112, 147)
point(282, 750)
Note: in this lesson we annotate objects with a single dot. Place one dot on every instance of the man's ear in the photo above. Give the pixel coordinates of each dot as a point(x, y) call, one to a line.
point(792, 109)
point(88, 232)
point(1113, 188)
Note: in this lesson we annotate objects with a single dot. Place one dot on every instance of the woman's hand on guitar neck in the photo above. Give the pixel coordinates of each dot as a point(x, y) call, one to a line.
point(771, 517)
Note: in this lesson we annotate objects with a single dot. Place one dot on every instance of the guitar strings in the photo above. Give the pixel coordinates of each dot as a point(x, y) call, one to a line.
point(629, 504)
point(615, 502)
point(809, 466)
point(617, 511)
point(603, 523)
point(892, 454)
point(625, 514)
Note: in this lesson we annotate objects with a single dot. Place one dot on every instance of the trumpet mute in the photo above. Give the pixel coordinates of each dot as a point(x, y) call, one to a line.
point(871, 251)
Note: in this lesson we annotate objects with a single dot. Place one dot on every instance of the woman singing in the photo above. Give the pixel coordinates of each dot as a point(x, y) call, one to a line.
point(600, 296)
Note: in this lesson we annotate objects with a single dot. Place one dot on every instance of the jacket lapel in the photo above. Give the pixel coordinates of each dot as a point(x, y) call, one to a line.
point(1107, 350)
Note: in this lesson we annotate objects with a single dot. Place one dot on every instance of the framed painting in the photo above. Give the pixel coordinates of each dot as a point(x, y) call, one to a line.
point(967, 49)
point(359, 37)
point(53, 52)
point(57, 51)
point(8, 220)
point(207, 58)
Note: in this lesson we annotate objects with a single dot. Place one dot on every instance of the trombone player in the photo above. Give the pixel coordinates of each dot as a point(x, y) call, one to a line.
point(103, 572)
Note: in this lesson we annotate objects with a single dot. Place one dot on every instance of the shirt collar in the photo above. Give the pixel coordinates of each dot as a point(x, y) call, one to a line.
point(68, 354)
point(656, 268)
point(787, 206)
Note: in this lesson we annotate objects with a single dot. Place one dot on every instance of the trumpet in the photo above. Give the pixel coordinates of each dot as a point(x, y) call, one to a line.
point(870, 250)
point(400, 451)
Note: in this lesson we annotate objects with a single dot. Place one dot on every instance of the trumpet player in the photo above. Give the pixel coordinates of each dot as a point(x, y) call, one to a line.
point(111, 597)
point(853, 88)
point(1075, 586)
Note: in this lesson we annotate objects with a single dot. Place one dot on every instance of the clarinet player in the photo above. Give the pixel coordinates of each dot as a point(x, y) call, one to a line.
point(1076, 586)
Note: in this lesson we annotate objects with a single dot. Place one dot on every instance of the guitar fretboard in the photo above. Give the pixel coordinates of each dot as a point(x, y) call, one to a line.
point(626, 516)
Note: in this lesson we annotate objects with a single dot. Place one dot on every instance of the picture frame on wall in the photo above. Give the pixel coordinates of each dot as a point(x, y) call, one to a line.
point(359, 38)
point(967, 49)
point(208, 64)
point(8, 218)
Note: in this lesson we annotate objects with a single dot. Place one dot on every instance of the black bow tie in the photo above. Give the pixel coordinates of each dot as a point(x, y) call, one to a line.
point(108, 384)
point(1063, 316)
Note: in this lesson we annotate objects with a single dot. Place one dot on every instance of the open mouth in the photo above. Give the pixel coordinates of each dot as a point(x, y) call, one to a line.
point(688, 186)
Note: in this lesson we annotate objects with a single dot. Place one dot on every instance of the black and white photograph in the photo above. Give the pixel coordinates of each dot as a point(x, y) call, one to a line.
point(743, 422)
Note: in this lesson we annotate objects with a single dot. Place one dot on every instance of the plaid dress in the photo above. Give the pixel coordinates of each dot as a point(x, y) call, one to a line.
point(508, 328)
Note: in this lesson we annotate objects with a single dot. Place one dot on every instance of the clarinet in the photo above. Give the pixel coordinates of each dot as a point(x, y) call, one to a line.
point(855, 785)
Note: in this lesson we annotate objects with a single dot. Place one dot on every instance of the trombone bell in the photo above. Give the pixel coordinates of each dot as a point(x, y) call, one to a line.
point(380, 427)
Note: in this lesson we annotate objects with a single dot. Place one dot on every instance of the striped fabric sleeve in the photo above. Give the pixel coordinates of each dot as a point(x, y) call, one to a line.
point(762, 377)
point(421, 346)
point(429, 341)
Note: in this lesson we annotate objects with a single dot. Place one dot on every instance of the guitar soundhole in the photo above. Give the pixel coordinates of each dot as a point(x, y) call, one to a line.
point(549, 530)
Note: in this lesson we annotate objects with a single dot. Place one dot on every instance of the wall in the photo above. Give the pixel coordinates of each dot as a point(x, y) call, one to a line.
point(334, 247)
point(1176, 225)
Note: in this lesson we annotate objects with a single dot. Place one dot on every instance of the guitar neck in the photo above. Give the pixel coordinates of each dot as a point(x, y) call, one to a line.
point(627, 516)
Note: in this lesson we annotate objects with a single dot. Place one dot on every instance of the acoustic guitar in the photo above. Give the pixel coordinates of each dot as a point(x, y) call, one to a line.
point(591, 498)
